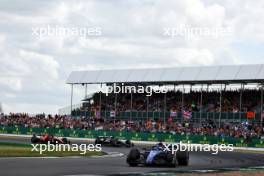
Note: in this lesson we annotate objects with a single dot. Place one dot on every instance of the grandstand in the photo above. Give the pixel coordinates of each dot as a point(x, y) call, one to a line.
point(232, 93)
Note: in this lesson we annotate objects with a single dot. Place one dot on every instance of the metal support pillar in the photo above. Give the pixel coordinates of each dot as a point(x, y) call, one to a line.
point(261, 107)
point(220, 110)
point(100, 102)
point(131, 105)
point(105, 114)
point(147, 107)
point(71, 97)
point(85, 102)
point(240, 101)
point(201, 105)
point(182, 103)
point(115, 105)
point(85, 92)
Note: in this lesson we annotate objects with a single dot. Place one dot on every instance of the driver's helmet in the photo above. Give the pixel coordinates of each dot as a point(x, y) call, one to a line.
point(160, 144)
point(46, 138)
point(158, 148)
point(51, 137)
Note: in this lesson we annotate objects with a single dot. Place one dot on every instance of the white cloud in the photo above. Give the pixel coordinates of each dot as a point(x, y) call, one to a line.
point(40, 63)
point(12, 83)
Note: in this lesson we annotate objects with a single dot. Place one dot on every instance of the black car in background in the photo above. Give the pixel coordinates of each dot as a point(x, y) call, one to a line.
point(113, 142)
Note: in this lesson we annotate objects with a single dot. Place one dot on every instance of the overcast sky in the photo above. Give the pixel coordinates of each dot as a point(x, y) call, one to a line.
point(129, 34)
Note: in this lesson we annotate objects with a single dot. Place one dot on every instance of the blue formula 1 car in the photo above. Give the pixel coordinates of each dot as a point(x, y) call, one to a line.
point(157, 156)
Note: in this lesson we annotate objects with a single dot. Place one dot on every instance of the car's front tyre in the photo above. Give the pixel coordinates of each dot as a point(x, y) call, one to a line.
point(183, 158)
point(133, 157)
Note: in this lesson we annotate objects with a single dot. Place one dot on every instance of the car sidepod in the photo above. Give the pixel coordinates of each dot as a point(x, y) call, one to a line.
point(151, 156)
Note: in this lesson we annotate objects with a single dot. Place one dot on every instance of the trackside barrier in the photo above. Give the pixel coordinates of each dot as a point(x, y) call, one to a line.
point(135, 136)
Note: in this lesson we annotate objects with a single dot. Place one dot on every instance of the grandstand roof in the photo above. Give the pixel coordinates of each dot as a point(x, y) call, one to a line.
point(177, 75)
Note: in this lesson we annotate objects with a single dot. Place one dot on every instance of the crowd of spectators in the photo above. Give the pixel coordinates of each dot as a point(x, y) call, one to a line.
point(238, 130)
point(175, 100)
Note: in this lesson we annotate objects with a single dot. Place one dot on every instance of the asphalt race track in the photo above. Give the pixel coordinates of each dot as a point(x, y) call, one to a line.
point(199, 161)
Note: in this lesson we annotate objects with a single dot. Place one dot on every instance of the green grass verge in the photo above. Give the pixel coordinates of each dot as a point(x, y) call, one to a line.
point(24, 150)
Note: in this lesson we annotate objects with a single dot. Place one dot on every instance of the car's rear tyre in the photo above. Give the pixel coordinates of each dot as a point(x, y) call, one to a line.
point(129, 143)
point(35, 140)
point(65, 140)
point(182, 158)
point(173, 160)
point(133, 157)
point(97, 141)
point(113, 142)
point(133, 164)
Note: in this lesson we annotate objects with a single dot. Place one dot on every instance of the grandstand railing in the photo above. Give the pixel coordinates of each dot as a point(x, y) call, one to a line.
point(196, 116)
